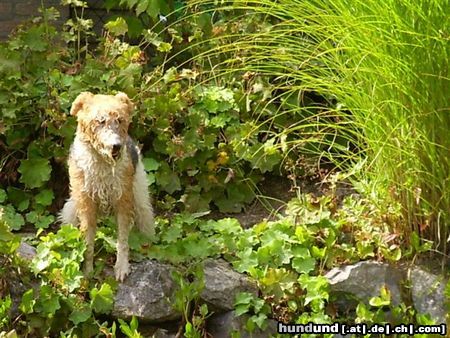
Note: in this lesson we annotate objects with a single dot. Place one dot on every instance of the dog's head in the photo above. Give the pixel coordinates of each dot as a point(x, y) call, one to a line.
point(103, 121)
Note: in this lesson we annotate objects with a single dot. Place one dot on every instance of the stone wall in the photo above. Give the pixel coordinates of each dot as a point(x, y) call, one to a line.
point(14, 12)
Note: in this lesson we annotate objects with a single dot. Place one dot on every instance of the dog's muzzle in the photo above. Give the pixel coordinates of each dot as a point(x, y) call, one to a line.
point(115, 152)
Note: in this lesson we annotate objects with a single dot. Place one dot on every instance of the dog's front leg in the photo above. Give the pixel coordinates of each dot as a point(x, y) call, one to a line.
point(124, 219)
point(87, 214)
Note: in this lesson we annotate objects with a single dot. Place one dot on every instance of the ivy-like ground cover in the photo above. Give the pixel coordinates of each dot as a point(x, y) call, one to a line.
point(286, 257)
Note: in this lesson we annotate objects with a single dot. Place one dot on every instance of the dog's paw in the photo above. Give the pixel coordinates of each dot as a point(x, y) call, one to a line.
point(122, 269)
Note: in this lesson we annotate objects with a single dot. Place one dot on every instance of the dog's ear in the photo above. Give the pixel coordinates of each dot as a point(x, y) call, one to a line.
point(79, 102)
point(125, 99)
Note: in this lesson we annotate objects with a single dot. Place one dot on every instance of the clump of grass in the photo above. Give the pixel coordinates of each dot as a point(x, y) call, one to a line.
point(383, 67)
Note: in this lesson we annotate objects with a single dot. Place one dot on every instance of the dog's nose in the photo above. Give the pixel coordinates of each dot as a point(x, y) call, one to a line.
point(116, 150)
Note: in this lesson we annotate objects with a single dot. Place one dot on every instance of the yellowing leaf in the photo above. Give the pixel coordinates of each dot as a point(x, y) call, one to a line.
point(117, 27)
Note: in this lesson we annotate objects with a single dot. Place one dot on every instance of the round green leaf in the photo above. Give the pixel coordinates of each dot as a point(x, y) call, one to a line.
point(35, 172)
point(102, 300)
point(303, 265)
point(80, 314)
point(44, 198)
point(2, 195)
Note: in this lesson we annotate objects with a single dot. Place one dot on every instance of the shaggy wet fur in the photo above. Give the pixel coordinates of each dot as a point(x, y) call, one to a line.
point(106, 175)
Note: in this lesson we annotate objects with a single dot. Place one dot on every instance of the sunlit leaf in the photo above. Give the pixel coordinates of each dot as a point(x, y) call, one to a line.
point(102, 299)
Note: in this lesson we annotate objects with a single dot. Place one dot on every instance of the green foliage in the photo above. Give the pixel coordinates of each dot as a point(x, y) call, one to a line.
point(5, 306)
point(117, 27)
point(130, 330)
point(59, 256)
point(380, 310)
point(60, 292)
point(248, 303)
point(9, 242)
point(190, 285)
point(35, 172)
point(285, 257)
point(219, 104)
point(13, 219)
point(20, 202)
point(379, 69)
point(30, 98)
point(150, 7)
point(195, 131)
point(102, 300)
point(181, 241)
point(203, 154)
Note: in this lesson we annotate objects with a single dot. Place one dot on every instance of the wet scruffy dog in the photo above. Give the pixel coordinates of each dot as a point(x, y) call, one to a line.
point(106, 175)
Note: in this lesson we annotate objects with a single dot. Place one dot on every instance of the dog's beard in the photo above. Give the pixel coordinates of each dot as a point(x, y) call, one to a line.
point(105, 152)
point(104, 147)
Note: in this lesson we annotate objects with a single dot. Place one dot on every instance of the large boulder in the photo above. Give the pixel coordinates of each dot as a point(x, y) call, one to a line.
point(364, 280)
point(222, 284)
point(146, 293)
point(428, 293)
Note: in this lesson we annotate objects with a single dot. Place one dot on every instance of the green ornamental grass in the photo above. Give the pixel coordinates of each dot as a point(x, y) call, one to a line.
point(382, 66)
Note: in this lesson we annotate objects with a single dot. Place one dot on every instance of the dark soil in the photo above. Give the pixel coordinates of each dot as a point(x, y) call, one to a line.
point(274, 192)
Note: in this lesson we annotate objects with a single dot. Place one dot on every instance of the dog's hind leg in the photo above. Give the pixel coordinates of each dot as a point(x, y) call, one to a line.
point(124, 217)
point(143, 211)
point(87, 214)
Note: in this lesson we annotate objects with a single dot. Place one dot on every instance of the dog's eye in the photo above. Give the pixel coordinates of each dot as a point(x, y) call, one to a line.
point(102, 122)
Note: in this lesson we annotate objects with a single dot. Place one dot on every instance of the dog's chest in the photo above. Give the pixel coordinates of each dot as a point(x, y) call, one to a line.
point(103, 181)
